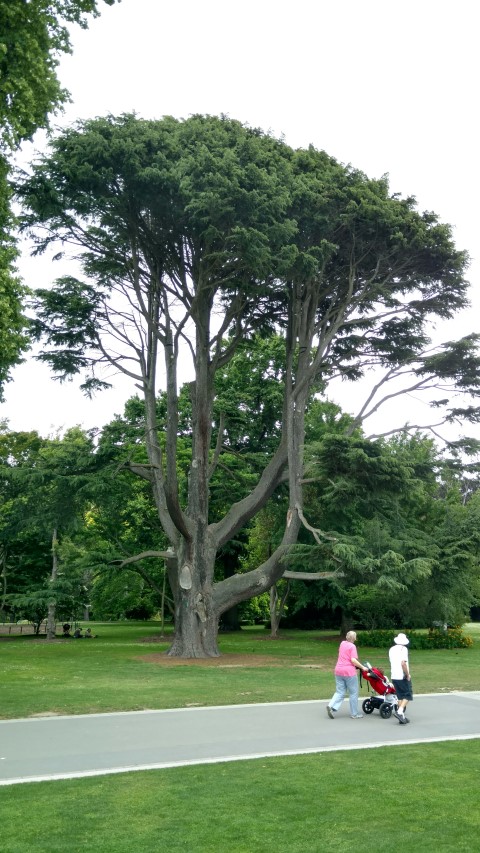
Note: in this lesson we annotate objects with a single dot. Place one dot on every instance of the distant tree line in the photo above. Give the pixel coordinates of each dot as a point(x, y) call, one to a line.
point(399, 520)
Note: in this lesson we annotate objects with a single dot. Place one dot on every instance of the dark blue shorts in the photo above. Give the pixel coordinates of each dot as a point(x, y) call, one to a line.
point(403, 688)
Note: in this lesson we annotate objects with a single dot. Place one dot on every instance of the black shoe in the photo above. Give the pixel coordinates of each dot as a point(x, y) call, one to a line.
point(330, 712)
point(402, 720)
point(397, 715)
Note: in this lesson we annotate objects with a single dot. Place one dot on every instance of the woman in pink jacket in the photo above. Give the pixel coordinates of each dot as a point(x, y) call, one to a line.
point(346, 678)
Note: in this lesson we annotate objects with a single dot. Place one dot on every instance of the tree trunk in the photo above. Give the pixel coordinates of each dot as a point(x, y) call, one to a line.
point(195, 543)
point(4, 578)
point(277, 608)
point(196, 626)
point(231, 620)
point(162, 606)
point(274, 616)
point(346, 624)
point(52, 606)
point(196, 616)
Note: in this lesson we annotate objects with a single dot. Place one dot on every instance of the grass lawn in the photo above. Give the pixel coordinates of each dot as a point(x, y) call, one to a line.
point(125, 668)
point(326, 803)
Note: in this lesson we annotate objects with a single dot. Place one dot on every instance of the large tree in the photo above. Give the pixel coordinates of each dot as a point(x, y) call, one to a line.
point(195, 235)
point(33, 37)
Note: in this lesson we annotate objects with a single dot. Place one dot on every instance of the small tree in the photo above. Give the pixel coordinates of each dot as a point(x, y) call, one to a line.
point(47, 483)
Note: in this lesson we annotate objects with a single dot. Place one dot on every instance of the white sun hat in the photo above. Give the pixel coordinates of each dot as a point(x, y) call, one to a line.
point(401, 640)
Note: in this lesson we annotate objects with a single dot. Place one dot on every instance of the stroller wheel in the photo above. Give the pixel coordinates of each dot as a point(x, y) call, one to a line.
point(386, 711)
point(367, 706)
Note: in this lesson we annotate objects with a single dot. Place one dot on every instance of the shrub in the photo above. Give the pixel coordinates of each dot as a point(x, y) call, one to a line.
point(452, 638)
point(255, 611)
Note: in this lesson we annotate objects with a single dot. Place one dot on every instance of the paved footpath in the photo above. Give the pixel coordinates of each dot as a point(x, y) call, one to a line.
point(38, 749)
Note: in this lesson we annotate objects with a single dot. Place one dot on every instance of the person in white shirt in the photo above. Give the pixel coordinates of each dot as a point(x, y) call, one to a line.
point(400, 676)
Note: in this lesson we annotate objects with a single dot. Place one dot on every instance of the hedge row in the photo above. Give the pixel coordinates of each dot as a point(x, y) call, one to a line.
point(452, 638)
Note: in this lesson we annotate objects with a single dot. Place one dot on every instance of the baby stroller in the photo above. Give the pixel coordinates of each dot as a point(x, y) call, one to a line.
point(385, 699)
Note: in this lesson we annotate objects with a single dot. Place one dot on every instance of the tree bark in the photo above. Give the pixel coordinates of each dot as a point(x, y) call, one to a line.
point(277, 608)
point(196, 616)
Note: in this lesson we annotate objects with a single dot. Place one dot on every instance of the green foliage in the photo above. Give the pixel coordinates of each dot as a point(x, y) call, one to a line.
point(122, 595)
point(249, 396)
point(34, 34)
point(371, 607)
point(32, 606)
point(255, 611)
point(370, 500)
point(66, 592)
point(436, 638)
point(13, 325)
point(404, 545)
point(46, 485)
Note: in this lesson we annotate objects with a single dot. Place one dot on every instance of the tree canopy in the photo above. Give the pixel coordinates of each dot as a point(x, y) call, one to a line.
point(194, 236)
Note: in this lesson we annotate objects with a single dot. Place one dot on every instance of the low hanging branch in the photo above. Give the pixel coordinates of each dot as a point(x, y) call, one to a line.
point(218, 447)
point(315, 531)
point(144, 554)
point(312, 576)
point(120, 564)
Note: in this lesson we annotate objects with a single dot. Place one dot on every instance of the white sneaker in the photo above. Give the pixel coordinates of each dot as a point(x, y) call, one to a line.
point(357, 716)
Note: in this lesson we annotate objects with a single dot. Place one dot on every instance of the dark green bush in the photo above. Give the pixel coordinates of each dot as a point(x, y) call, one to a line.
point(452, 638)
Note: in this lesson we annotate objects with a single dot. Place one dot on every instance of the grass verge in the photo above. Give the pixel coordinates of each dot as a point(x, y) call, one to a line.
point(425, 795)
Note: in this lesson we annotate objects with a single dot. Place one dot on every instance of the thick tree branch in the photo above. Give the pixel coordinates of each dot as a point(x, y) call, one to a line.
point(218, 446)
point(315, 531)
point(244, 510)
point(312, 576)
point(143, 556)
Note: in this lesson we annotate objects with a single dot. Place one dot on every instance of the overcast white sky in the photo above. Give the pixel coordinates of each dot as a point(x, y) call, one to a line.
point(390, 87)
